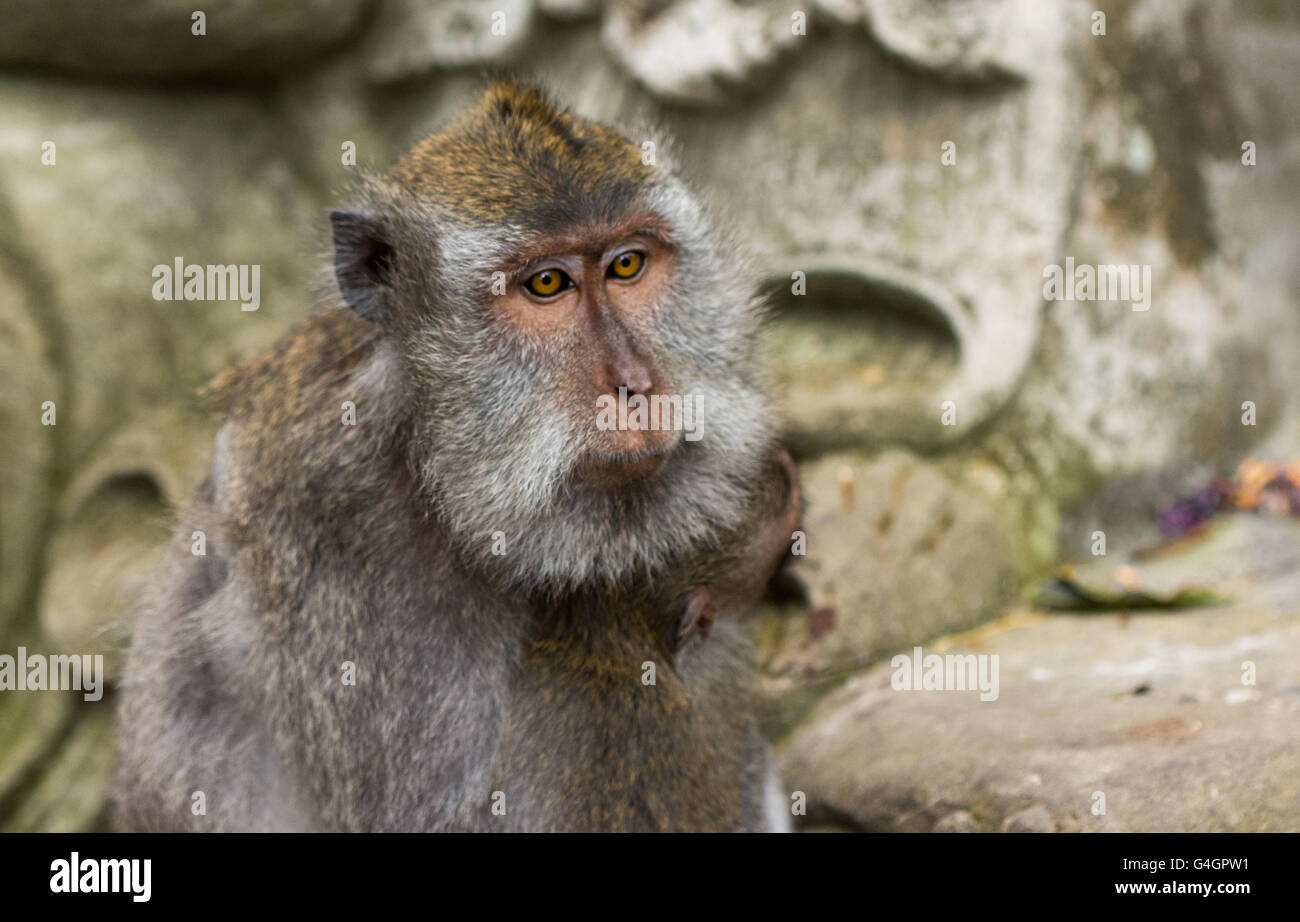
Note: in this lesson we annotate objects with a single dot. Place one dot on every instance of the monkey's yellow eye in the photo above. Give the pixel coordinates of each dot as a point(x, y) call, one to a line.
point(547, 283)
point(627, 265)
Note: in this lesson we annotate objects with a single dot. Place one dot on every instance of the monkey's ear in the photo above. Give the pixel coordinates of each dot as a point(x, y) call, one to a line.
point(362, 261)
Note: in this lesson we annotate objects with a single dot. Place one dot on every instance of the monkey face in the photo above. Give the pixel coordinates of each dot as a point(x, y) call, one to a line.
point(591, 298)
point(577, 343)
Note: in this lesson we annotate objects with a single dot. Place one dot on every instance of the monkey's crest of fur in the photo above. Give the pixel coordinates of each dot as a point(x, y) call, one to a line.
point(516, 155)
point(473, 414)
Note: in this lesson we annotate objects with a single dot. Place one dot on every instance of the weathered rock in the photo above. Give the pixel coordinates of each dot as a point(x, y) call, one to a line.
point(986, 40)
point(957, 821)
point(331, 112)
point(71, 794)
point(896, 552)
point(28, 379)
point(705, 51)
point(410, 37)
point(1031, 819)
point(32, 724)
point(697, 50)
point(168, 445)
point(244, 39)
point(919, 280)
point(1148, 717)
point(569, 9)
point(114, 522)
point(99, 567)
point(140, 179)
point(1173, 94)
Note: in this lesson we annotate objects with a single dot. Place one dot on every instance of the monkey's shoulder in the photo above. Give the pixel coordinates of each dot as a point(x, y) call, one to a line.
point(317, 353)
point(309, 423)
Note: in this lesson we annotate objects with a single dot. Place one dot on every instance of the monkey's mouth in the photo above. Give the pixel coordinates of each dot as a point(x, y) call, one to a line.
point(612, 468)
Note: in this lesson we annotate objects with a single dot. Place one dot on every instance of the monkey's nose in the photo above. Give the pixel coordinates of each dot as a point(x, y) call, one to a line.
point(635, 380)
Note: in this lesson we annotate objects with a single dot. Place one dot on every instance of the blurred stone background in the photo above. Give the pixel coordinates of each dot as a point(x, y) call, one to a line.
point(924, 284)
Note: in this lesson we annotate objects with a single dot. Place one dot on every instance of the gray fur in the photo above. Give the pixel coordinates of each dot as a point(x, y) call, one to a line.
point(476, 673)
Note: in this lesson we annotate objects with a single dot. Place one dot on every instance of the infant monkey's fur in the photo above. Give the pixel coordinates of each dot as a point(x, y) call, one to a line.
point(504, 576)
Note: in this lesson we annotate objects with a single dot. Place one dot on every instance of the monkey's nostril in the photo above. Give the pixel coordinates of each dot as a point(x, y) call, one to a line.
point(634, 383)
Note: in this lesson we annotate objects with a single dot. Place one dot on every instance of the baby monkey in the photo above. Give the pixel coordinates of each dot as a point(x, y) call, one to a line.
point(437, 594)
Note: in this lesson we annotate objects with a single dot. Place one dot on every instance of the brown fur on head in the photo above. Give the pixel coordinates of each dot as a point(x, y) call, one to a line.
point(515, 157)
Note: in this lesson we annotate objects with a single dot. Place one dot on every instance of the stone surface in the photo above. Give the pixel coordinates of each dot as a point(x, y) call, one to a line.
point(957, 821)
point(897, 552)
point(28, 378)
point(410, 37)
point(703, 51)
point(922, 281)
point(245, 39)
point(1173, 91)
point(98, 569)
point(140, 179)
point(32, 725)
point(698, 51)
point(71, 792)
point(1146, 715)
point(985, 40)
point(1031, 819)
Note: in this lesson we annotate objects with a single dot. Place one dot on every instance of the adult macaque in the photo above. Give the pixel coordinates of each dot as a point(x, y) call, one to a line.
point(474, 608)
